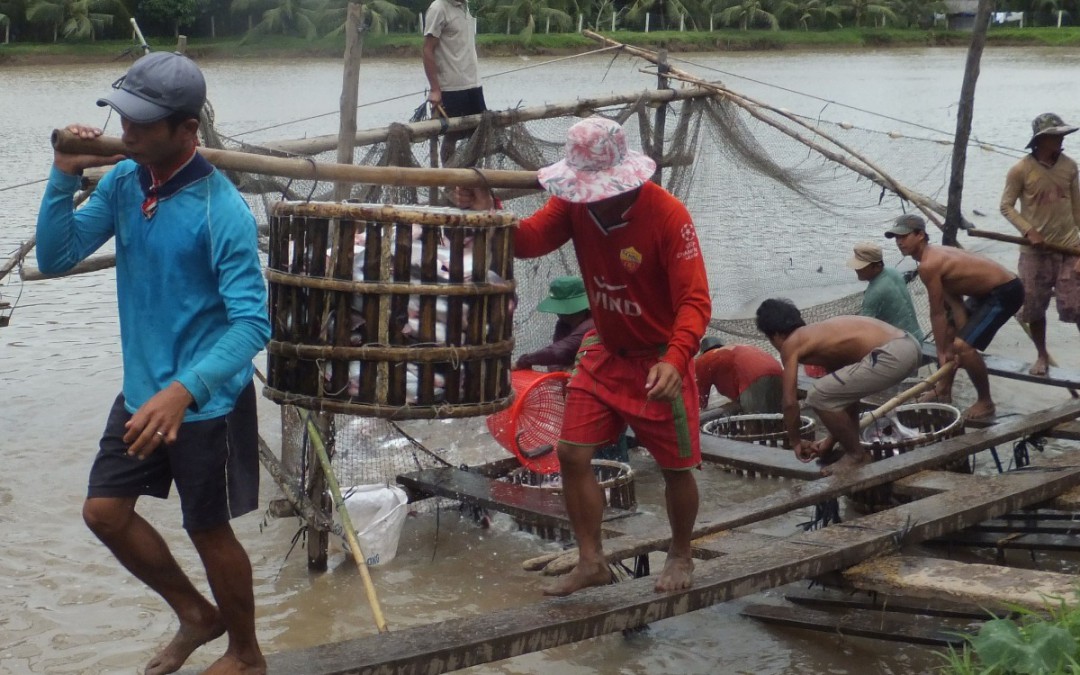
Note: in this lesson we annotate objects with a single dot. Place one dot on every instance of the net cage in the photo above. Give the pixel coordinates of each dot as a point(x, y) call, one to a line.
point(774, 218)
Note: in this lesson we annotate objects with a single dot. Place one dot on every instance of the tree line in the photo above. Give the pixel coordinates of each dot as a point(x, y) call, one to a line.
point(84, 20)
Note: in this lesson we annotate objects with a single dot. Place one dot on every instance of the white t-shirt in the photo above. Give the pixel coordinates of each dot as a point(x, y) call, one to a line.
point(455, 55)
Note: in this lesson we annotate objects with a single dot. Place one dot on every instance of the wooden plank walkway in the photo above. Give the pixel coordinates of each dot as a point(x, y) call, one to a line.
point(752, 458)
point(817, 491)
point(459, 643)
point(1012, 369)
point(926, 483)
point(876, 624)
point(528, 504)
point(990, 586)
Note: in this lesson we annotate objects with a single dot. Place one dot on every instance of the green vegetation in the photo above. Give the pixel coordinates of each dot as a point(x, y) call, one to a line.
point(1035, 644)
point(54, 21)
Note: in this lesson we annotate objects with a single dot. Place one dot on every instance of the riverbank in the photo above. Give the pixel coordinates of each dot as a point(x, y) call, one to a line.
point(409, 46)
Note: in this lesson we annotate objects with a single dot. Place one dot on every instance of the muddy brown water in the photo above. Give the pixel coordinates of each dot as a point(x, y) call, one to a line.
point(69, 608)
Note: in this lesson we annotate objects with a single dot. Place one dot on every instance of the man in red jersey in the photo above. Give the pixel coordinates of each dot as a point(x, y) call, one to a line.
point(743, 373)
point(645, 277)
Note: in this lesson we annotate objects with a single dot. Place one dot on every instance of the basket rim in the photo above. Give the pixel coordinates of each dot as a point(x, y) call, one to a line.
point(442, 216)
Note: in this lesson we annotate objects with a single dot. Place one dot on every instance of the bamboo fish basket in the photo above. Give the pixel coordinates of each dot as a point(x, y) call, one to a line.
point(388, 311)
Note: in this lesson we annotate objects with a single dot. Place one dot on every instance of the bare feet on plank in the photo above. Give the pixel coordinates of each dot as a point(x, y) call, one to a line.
point(584, 575)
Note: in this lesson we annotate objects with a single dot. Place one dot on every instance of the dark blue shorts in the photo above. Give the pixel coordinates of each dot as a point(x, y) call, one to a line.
point(214, 463)
point(990, 312)
point(464, 102)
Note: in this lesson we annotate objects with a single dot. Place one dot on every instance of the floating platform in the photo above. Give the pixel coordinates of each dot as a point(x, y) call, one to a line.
point(731, 563)
point(1012, 369)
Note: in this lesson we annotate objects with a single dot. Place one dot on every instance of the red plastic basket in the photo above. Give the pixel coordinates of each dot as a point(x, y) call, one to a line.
point(533, 421)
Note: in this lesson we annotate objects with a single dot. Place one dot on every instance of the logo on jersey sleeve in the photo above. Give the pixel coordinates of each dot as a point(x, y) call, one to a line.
point(690, 247)
point(630, 258)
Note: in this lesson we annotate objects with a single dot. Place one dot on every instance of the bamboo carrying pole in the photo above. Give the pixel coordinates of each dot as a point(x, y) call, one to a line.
point(1022, 241)
point(906, 395)
point(229, 160)
point(350, 531)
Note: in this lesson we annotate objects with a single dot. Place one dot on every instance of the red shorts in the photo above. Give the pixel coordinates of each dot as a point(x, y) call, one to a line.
point(607, 392)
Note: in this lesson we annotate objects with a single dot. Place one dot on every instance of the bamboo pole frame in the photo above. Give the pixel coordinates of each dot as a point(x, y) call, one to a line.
point(230, 160)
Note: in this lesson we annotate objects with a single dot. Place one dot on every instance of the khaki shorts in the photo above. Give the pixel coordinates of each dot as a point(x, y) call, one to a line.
point(882, 368)
point(1047, 274)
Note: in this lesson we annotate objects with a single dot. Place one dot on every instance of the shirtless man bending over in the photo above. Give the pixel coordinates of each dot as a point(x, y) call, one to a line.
point(993, 294)
point(863, 356)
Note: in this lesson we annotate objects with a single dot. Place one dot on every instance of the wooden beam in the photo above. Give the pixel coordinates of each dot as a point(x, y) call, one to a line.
point(1016, 370)
point(926, 483)
point(988, 586)
point(460, 643)
point(874, 624)
point(754, 458)
point(814, 492)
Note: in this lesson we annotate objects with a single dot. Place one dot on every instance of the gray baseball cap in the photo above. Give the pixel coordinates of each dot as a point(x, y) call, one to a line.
point(906, 224)
point(156, 86)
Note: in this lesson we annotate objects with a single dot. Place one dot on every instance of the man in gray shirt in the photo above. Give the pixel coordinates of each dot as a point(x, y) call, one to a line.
point(450, 66)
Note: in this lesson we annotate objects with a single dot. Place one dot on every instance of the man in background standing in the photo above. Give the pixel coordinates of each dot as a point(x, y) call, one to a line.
point(1046, 184)
point(887, 297)
point(450, 66)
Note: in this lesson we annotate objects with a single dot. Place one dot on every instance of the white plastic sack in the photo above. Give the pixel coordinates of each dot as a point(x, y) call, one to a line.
point(378, 514)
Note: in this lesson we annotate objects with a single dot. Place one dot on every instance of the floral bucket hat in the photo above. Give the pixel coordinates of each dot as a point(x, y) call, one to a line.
point(598, 164)
point(1048, 124)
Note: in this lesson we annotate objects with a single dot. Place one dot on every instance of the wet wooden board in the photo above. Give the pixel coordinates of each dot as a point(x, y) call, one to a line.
point(864, 623)
point(883, 604)
point(1016, 370)
point(754, 458)
point(1016, 541)
point(817, 491)
point(927, 483)
point(989, 586)
point(530, 504)
point(437, 648)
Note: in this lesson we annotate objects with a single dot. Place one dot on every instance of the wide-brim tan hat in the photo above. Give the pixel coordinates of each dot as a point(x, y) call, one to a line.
point(1049, 124)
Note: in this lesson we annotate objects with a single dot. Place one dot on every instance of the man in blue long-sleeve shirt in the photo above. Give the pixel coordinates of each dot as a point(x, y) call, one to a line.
point(192, 317)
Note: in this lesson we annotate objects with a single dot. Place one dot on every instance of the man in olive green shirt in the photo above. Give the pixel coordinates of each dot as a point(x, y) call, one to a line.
point(1046, 184)
point(887, 297)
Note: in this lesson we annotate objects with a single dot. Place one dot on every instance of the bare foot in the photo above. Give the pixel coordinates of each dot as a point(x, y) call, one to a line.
point(832, 456)
point(678, 574)
point(234, 665)
point(1041, 367)
point(980, 410)
point(187, 639)
point(584, 575)
point(933, 396)
point(849, 462)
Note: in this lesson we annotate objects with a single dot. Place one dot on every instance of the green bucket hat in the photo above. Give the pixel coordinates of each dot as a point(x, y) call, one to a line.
point(566, 295)
point(1048, 124)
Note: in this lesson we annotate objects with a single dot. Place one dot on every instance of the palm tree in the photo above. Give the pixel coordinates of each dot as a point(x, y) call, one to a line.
point(747, 13)
point(672, 10)
point(288, 17)
point(860, 9)
point(809, 12)
point(379, 15)
point(531, 11)
point(75, 19)
point(917, 12)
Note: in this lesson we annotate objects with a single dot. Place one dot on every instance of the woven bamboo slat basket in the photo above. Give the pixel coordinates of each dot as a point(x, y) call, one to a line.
point(389, 311)
point(934, 422)
point(763, 429)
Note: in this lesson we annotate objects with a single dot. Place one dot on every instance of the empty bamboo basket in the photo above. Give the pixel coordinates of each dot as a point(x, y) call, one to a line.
point(387, 311)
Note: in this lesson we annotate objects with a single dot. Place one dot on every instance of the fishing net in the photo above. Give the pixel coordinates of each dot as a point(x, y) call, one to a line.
point(775, 218)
